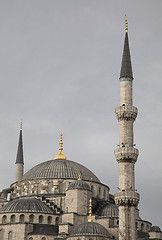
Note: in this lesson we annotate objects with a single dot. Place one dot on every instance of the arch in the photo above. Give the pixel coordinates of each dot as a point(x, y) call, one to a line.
point(29, 188)
point(40, 219)
point(49, 220)
point(50, 187)
point(1, 234)
point(30, 238)
point(43, 238)
point(104, 194)
point(4, 219)
point(12, 219)
point(99, 192)
point(39, 188)
point(31, 218)
point(10, 235)
point(22, 218)
point(136, 225)
point(142, 227)
point(57, 221)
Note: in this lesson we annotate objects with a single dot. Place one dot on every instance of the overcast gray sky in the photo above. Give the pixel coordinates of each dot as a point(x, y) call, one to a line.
point(59, 68)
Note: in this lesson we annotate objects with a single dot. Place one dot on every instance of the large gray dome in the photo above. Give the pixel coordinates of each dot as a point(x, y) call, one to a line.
point(31, 205)
point(60, 169)
point(91, 229)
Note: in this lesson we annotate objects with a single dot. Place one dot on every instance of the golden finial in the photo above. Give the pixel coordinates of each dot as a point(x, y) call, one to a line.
point(90, 211)
point(79, 177)
point(21, 125)
point(126, 24)
point(60, 155)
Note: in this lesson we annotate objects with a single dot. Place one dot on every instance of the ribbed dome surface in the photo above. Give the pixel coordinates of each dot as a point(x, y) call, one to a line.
point(79, 184)
point(155, 229)
point(109, 210)
point(91, 229)
point(26, 205)
point(57, 169)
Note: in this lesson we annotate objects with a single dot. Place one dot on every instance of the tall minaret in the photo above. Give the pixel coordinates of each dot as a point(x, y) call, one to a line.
point(126, 155)
point(19, 159)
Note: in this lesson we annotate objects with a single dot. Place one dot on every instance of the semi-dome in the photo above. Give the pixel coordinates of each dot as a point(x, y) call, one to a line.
point(60, 169)
point(79, 184)
point(109, 210)
point(31, 205)
point(91, 229)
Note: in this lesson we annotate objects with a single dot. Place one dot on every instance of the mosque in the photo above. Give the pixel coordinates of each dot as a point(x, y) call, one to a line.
point(62, 199)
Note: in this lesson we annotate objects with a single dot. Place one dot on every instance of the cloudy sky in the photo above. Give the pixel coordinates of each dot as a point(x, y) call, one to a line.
point(59, 69)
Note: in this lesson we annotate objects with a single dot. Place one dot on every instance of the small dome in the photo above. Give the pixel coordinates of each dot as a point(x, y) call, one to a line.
point(60, 169)
point(91, 229)
point(32, 205)
point(155, 229)
point(79, 184)
point(109, 210)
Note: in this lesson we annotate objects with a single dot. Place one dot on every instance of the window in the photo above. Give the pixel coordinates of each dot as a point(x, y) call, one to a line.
point(4, 219)
point(57, 221)
point(12, 219)
point(1, 234)
point(31, 218)
point(43, 238)
point(10, 235)
point(22, 218)
point(50, 187)
point(30, 238)
point(40, 219)
point(142, 227)
point(49, 220)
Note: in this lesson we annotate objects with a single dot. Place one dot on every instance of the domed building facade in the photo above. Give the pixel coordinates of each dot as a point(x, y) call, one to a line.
point(62, 199)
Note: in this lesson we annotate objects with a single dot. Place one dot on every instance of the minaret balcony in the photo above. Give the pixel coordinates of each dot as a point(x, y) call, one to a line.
point(127, 198)
point(126, 154)
point(127, 113)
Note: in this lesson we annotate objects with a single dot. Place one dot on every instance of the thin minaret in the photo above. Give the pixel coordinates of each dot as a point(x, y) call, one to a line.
point(19, 158)
point(126, 155)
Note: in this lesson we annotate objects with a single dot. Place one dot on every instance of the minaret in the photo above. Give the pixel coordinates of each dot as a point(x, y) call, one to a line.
point(19, 158)
point(126, 155)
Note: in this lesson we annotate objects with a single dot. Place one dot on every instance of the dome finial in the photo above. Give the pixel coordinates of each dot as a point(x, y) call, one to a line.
point(126, 23)
point(60, 155)
point(79, 177)
point(90, 211)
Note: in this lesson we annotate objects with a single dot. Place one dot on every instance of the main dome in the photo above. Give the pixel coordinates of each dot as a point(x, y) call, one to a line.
point(60, 169)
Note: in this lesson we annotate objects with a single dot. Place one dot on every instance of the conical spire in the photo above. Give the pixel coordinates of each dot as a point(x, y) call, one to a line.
point(20, 158)
point(126, 67)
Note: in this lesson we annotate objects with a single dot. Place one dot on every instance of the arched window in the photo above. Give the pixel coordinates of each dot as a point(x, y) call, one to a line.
point(39, 188)
point(136, 225)
point(12, 219)
point(40, 219)
point(43, 238)
point(1, 234)
point(104, 194)
point(10, 235)
point(57, 221)
point(22, 218)
point(99, 192)
point(29, 189)
point(49, 187)
point(117, 222)
point(142, 227)
point(4, 219)
point(92, 189)
point(49, 219)
point(31, 218)
point(30, 238)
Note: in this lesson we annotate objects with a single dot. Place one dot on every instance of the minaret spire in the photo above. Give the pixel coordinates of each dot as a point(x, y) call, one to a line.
point(126, 67)
point(19, 158)
point(126, 155)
